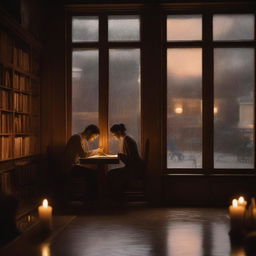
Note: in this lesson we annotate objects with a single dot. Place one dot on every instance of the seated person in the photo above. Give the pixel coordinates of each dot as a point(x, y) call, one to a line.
point(77, 146)
point(134, 166)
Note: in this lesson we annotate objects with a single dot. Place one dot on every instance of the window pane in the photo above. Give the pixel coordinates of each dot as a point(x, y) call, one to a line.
point(123, 28)
point(234, 108)
point(124, 92)
point(85, 92)
point(85, 29)
point(184, 111)
point(233, 27)
point(184, 27)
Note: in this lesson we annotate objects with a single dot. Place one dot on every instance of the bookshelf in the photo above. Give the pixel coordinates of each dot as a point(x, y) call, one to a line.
point(19, 108)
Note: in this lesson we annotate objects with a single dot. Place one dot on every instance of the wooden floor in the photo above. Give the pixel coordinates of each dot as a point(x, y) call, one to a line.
point(143, 232)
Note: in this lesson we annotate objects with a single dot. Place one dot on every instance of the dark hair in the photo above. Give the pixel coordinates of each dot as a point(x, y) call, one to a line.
point(118, 128)
point(92, 128)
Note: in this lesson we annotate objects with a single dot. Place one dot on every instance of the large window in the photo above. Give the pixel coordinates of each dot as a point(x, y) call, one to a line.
point(187, 74)
point(222, 65)
point(106, 74)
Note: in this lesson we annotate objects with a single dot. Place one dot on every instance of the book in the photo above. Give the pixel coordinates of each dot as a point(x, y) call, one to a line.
point(106, 156)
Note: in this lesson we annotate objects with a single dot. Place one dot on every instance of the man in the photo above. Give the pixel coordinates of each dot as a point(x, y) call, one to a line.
point(77, 146)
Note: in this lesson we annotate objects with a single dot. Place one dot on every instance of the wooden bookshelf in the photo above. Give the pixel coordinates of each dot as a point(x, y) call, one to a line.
point(19, 108)
point(19, 94)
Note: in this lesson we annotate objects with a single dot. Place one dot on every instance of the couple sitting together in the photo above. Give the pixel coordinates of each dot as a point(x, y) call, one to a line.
point(117, 179)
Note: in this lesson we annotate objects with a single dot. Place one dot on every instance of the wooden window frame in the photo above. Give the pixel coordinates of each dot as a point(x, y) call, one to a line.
point(103, 46)
point(161, 10)
point(208, 45)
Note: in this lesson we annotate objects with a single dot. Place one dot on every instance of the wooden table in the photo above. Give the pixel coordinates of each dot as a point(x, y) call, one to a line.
point(101, 162)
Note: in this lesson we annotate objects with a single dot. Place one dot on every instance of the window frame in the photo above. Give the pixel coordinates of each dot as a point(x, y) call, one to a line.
point(208, 45)
point(162, 10)
point(103, 46)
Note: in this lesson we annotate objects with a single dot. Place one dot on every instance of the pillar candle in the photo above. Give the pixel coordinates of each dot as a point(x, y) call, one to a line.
point(45, 215)
point(236, 213)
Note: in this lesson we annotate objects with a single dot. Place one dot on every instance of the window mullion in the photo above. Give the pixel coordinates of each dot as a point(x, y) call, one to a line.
point(103, 81)
point(208, 95)
point(254, 93)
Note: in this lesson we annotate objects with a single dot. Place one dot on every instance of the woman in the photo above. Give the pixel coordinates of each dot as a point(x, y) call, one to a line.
point(134, 166)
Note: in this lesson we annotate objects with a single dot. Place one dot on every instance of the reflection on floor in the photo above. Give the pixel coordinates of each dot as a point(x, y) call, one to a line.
point(146, 232)
point(133, 232)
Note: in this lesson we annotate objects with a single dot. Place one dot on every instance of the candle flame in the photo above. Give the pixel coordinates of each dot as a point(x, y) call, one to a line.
point(45, 250)
point(45, 203)
point(241, 200)
point(235, 203)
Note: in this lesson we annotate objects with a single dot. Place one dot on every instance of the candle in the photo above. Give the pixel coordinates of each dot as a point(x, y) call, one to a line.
point(236, 213)
point(45, 215)
point(241, 201)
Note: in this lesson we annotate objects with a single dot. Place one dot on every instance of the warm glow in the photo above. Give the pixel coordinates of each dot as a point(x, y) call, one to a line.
point(241, 200)
point(178, 110)
point(45, 250)
point(45, 203)
point(215, 110)
point(235, 203)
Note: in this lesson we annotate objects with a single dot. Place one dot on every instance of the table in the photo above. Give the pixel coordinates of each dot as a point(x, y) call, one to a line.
point(101, 162)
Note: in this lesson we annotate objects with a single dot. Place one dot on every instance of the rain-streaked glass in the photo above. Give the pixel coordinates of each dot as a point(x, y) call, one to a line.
point(233, 27)
point(85, 89)
point(184, 108)
point(184, 27)
point(85, 29)
point(124, 28)
point(124, 93)
point(234, 108)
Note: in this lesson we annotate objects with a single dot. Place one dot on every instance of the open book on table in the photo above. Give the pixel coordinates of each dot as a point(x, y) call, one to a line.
point(103, 156)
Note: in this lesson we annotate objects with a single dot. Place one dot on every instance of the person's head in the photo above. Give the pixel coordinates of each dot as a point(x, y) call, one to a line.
point(118, 131)
point(91, 132)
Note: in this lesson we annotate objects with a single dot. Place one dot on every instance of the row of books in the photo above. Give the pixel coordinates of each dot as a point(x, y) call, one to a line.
point(5, 147)
point(12, 181)
point(21, 82)
point(5, 122)
point(21, 102)
point(25, 174)
point(22, 123)
point(5, 77)
point(21, 58)
point(5, 99)
point(6, 47)
point(25, 146)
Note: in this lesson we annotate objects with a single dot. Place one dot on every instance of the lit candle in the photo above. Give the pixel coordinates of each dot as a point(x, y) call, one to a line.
point(45, 215)
point(241, 201)
point(236, 213)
